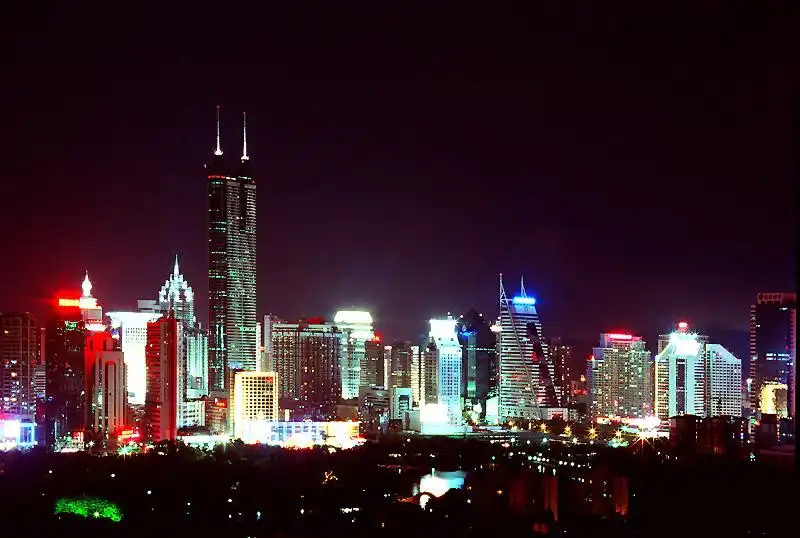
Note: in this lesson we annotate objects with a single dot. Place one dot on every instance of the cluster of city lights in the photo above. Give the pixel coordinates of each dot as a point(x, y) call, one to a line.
point(88, 507)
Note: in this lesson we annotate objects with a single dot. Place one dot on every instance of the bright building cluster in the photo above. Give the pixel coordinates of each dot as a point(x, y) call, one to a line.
point(128, 379)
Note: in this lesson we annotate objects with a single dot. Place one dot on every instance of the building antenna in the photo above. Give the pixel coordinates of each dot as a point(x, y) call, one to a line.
point(522, 286)
point(218, 151)
point(244, 145)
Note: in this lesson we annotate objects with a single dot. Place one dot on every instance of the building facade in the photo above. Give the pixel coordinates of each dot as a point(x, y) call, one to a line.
point(525, 381)
point(64, 371)
point(255, 404)
point(19, 345)
point(161, 397)
point(356, 326)
point(233, 343)
point(131, 330)
point(306, 358)
point(679, 370)
point(620, 378)
point(105, 390)
point(773, 345)
point(444, 358)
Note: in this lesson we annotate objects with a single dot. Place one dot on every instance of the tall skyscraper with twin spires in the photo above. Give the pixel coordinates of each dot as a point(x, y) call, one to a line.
point(232, 337)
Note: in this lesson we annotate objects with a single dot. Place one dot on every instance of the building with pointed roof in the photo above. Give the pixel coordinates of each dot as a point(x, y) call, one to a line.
point(525, 382)
point(233, 339)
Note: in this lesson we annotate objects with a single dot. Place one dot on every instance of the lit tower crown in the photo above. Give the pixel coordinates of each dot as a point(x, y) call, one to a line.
point(177, 295)
point(86, 286)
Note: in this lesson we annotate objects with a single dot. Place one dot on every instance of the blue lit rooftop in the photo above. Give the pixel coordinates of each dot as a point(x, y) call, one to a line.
point(524, 300)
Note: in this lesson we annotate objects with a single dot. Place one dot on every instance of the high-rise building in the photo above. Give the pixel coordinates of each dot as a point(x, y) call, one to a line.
point(561, 355)
point(444, 358)
point(192, 377)
point(525, 381)
point(724, 382)
point(773, 344)
point(620, 378)
point(679, 372)
point(161, 398)
point(64, 375)
point(255, 404)
point(479, 361)
point(177, 295)
point(372, 366)
point(19, 343)
point(131, 330)
point(106, 396)
point(306, 358)
point(400, 359)
point(356, 325)
point(232, 267)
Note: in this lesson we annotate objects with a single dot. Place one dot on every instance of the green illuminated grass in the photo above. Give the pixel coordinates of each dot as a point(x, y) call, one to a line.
point(89, 507)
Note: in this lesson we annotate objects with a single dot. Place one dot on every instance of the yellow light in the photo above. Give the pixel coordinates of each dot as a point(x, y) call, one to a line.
point(592, 433)
point(568, 431)
point(543, 427)
point(619, 433)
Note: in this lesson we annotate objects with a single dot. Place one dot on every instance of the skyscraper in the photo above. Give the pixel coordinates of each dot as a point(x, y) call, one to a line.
point(479, 361)
point(680, 374)
point(306, 357)
point(561, 354)
point(525, 381)
point(105, 392)
point(773, 344)
point(620, 378)
point(444, 354)
point(356, 327)
point(161, 397)
point(233, 343)
point(19, 342)
point(64, 375)
point(131, 329)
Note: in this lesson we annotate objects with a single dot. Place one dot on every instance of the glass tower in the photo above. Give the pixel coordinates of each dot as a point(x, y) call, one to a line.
point(525, 382)
point(233, 343)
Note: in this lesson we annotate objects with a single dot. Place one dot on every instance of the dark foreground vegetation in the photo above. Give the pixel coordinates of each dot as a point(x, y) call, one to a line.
point(262, 491)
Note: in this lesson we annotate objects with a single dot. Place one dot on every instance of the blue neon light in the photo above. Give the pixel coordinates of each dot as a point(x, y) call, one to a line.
point(523, 300)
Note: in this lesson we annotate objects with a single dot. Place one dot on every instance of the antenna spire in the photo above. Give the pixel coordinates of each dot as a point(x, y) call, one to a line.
point(502, 291)
point(522, 286)
point(244, 132)
point(175, 270)
point(218, 151)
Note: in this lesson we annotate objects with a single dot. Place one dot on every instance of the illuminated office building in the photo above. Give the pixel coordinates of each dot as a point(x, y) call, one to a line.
point(19, 343)
point(443, 369)
point(372, 365)
point(161, 397)
point(400, 359)
point(525, 382)
point(64, 370)
point(255, 404)
point(479, 364)
point(356, 325)
point(724, 382)
point(620, 378)
point(561, 358)
point(773, 345)
point(306, 357)
point(680, 374)
point(131, 330)
point(106, 396)
point(232, 341)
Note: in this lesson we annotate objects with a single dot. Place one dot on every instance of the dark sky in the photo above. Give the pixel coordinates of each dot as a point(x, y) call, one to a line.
point(634, 165)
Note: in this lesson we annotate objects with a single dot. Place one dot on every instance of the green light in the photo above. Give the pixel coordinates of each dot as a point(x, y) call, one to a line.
point(86, 506)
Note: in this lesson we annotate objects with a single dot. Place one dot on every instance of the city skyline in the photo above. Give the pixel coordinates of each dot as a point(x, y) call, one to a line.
point(328, 172)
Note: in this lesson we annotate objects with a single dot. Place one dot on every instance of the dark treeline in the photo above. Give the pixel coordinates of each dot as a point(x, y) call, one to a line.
point(262, 491)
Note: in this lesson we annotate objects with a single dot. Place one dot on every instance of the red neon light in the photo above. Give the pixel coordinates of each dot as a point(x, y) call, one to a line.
point(683, 325)
point(377, 338)
point(73, 303)
point(618, 336)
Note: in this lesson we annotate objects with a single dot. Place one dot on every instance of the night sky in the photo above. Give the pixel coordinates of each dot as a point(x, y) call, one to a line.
point(634, 165)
